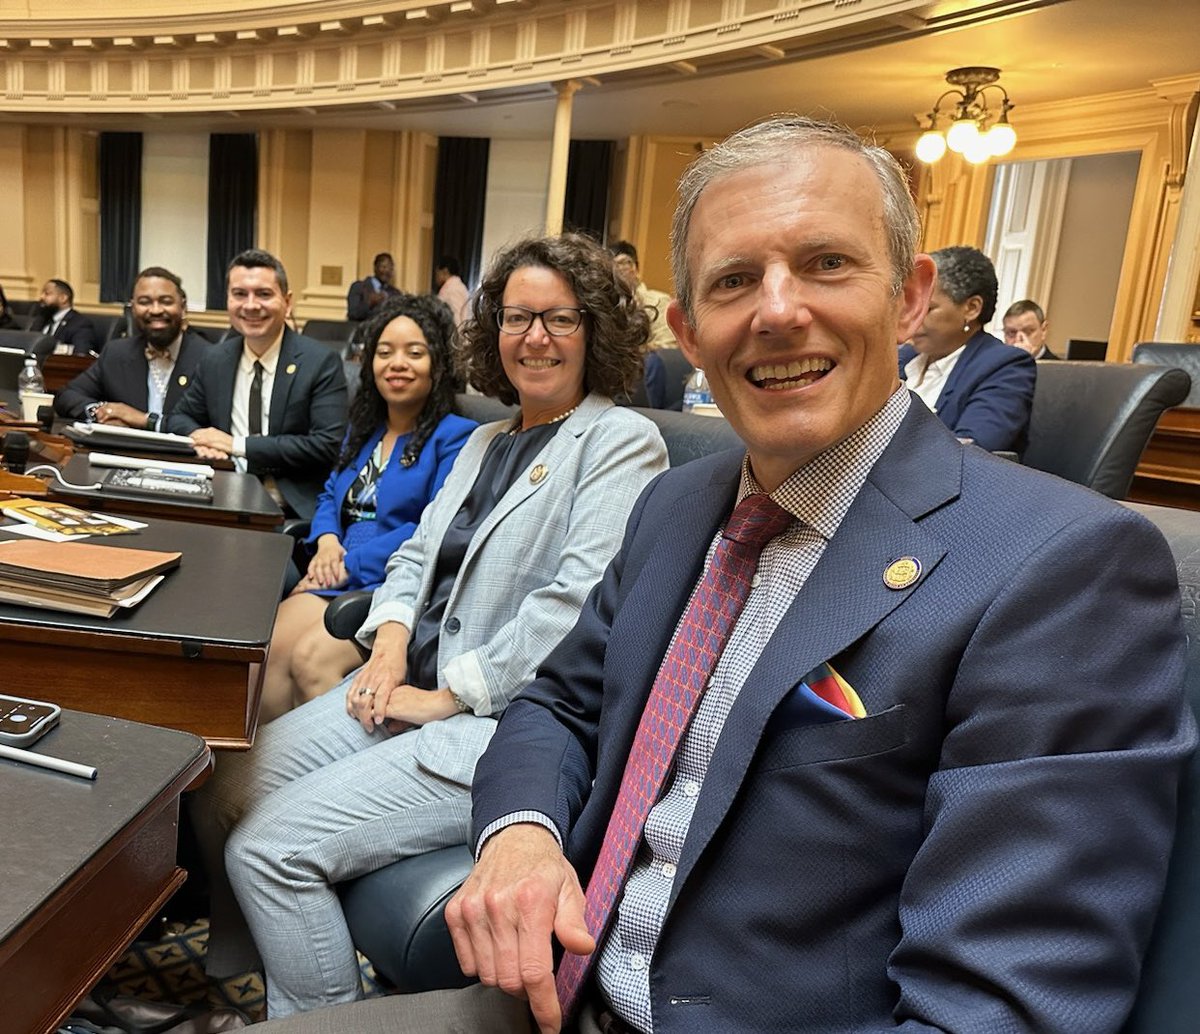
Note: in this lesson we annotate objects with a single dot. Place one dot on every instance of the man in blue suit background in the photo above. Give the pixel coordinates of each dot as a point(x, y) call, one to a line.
point(930, 782)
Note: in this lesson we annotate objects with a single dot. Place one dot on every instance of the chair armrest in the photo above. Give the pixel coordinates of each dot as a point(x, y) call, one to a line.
point(395, 916)
point(346, 613)
point(298, 527)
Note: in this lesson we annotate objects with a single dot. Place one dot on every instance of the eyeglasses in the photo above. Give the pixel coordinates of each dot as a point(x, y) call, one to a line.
point(559, 322)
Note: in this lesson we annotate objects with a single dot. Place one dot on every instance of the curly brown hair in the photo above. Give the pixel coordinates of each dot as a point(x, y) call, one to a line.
point(616, 326)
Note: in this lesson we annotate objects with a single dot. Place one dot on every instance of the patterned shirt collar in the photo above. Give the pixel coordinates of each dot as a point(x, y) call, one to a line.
point(821, 491)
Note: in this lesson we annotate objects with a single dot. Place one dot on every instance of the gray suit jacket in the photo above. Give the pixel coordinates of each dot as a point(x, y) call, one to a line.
point(527, 570)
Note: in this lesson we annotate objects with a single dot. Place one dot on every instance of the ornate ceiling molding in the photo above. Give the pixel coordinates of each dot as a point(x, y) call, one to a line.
point(166, 56)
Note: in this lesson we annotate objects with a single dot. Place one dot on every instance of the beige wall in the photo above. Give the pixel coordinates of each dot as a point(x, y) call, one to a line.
point(328, 201)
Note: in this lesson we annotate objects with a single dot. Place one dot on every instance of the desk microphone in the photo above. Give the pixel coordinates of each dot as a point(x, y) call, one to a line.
point(45, 417)
point(16, 451)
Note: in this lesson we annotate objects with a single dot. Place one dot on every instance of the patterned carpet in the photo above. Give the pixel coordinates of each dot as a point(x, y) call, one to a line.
point(171, 969)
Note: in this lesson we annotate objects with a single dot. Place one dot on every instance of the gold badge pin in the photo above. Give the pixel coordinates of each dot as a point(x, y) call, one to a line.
point(183, 380)
point(291, 368)
point(538, 474)
point(902, 573)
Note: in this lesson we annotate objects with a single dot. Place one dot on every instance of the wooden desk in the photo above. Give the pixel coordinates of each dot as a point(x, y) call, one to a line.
point(85, 865)
point(239, 500)
point(1168, 473)
point(59, 370)
point(190, 657)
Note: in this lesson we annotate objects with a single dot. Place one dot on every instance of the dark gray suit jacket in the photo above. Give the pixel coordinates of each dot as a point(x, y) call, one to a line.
point(308, 413)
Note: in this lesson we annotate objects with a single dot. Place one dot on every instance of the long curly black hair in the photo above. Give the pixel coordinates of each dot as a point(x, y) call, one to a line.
point(369, 410)
point(617, 326)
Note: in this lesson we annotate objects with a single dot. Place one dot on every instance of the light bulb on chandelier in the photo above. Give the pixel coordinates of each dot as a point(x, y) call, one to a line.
point(976, 131)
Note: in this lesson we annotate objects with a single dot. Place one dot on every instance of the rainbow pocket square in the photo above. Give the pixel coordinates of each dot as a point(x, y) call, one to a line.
point(828, 686)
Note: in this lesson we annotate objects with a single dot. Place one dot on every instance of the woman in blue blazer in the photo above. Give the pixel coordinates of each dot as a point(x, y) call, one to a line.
point(399, 447)
point(979, 387)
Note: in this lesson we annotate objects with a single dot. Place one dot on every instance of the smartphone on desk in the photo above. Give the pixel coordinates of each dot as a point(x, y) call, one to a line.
point(23, 722)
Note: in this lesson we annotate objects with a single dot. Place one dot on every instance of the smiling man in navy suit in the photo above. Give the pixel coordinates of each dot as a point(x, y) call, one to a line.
point(929, 784)
point(137, 381)
point(271, 399)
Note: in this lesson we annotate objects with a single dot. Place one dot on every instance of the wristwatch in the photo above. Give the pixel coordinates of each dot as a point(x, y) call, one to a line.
point(90, 411)
point(152, 420)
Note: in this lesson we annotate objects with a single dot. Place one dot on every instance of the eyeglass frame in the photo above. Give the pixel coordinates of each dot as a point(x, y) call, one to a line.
point(533, 315)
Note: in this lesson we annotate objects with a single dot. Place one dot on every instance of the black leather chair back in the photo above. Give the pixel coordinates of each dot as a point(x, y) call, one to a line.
point(108, 325)
point(29, 341)
point(1185, 357)
point(1168, 1000)
point(335, 333)
point(481, 409)
point(1091, 421)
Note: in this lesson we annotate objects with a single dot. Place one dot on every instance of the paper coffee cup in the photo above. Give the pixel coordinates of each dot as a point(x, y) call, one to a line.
point(31, 401)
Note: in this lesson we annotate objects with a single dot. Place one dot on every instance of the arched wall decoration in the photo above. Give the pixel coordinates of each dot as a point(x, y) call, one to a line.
point(143, 57)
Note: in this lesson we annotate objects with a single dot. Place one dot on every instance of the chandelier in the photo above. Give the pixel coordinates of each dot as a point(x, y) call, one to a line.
point(976, 131)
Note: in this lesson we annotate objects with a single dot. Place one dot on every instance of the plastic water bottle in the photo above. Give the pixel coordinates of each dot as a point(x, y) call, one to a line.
point(695, 392)
point(30, 377)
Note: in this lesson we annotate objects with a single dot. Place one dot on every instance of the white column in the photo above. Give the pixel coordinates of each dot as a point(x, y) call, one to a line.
point(1183, 269)
point(559, 154)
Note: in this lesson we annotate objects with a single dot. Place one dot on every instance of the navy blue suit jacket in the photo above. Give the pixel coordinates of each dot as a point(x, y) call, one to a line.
point(986, 849)
point(989, 393)
point(308, 413)
point(119, 375)
point(78, 331)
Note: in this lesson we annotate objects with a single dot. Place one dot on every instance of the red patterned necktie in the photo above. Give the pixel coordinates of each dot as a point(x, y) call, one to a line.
point(685, 672)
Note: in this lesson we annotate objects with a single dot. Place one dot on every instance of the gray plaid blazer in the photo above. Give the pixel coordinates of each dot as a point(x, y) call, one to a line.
point(526, 572)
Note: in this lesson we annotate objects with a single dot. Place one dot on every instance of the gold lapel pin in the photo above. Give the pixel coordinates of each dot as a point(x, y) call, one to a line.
point(291, 368)
point(538, 474)
point(902, 573)
point(182, 379)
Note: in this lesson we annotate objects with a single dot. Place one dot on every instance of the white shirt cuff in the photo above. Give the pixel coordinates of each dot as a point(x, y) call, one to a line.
point(513, 819)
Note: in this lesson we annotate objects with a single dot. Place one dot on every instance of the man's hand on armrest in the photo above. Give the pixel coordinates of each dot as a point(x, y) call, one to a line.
point(521, 890)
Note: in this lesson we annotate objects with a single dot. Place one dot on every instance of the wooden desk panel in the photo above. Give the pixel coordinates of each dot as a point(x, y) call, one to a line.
point(86, 864)
point(59, 370)
point(1169, 471)
point(239, 500)
point(190, 657)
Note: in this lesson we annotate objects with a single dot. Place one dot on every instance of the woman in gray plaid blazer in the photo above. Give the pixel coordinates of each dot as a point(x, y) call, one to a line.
point(380, 767)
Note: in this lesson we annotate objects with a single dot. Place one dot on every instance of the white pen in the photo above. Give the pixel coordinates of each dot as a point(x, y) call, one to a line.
point(28, 757)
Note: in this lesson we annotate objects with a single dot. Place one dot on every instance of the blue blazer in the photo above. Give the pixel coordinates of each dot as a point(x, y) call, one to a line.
point(989, 393)
point(402, 495)
point(986, 849)
point(308, 413)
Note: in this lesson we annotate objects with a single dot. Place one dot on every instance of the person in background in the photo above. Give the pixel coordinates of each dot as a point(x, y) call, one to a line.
point(267, 397)
point(380, 767)
point(1025, 326)
point(55, 316)
point(6, 315)
point(451, 289)
point(979, 387)
point(137, 381)
point(401, 442)
point(366, 295)
point(625, 259)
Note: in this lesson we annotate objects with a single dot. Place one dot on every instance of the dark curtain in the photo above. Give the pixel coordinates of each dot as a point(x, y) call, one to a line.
point(120, 213)
point(232, 205)
point(458, 203)
point(589, 168)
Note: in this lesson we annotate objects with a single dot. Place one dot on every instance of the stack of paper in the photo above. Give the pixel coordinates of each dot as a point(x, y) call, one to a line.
point(79, 577)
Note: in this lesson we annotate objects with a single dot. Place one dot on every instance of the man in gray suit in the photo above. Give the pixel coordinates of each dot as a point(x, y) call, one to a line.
point(270, 399)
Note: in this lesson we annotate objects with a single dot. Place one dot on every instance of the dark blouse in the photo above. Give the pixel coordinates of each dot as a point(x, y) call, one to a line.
point(506, 457)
